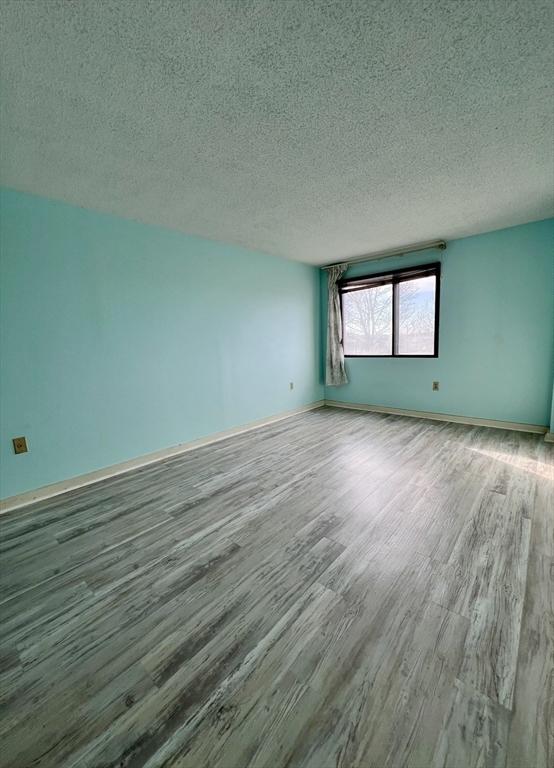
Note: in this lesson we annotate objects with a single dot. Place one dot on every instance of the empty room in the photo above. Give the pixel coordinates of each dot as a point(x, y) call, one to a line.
point(276, 384)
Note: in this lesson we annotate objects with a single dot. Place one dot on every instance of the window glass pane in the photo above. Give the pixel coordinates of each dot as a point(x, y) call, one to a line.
point(416, 316)
point(368, 321)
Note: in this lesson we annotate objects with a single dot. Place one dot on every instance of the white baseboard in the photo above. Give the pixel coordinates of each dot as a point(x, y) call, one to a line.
point(535, 428)
point(55, 489)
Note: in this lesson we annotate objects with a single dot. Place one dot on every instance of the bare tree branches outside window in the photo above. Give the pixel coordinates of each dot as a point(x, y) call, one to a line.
point(416, 316)
point(368, 319)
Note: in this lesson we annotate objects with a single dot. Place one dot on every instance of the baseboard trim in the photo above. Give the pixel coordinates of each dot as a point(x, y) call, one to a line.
point(80, 481)
point(56, 489)
point(534, 428)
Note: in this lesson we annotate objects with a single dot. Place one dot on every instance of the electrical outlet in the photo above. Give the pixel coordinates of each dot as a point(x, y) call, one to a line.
point(19, 445)
point(291, 385)
point(435, 386)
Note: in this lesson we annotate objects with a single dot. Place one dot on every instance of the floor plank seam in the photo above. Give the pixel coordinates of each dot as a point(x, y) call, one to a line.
point(306, 602)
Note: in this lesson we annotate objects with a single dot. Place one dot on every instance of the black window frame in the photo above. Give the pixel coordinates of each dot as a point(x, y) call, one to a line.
point(394, 277)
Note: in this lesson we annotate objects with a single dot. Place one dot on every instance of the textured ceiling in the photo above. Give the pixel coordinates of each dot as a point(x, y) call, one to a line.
point(310, 129)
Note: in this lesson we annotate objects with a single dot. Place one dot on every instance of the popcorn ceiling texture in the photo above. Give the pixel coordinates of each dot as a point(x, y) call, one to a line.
point(309, 129)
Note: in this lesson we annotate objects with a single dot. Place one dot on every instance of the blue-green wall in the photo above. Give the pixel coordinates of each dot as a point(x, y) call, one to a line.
point(119, 339)
point(496, 358)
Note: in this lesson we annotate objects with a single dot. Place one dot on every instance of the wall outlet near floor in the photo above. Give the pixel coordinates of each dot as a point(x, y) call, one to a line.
point(291, 385)
point(435, 386)
point(19, 445)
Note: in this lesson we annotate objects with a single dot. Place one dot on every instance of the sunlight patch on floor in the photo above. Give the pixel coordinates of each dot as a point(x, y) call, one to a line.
point(539, 468)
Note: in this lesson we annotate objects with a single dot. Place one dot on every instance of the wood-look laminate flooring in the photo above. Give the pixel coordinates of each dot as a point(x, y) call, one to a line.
point(337, 589)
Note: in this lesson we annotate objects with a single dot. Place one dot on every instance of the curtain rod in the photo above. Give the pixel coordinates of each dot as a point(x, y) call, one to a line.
point(440, 244)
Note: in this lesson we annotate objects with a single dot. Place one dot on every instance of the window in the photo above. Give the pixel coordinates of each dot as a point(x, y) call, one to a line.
point(392, 314)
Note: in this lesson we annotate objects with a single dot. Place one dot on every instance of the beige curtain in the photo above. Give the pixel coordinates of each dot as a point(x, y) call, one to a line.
point(335, 374)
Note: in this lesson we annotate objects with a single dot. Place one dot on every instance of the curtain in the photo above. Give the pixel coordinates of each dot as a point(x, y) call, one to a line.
point(335, 374)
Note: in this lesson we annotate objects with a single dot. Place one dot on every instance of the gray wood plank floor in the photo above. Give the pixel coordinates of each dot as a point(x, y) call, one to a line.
point(338, 589)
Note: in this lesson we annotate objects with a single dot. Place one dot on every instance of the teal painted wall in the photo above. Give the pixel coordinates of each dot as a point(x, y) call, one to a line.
point(118, 339)
point(496, 357)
